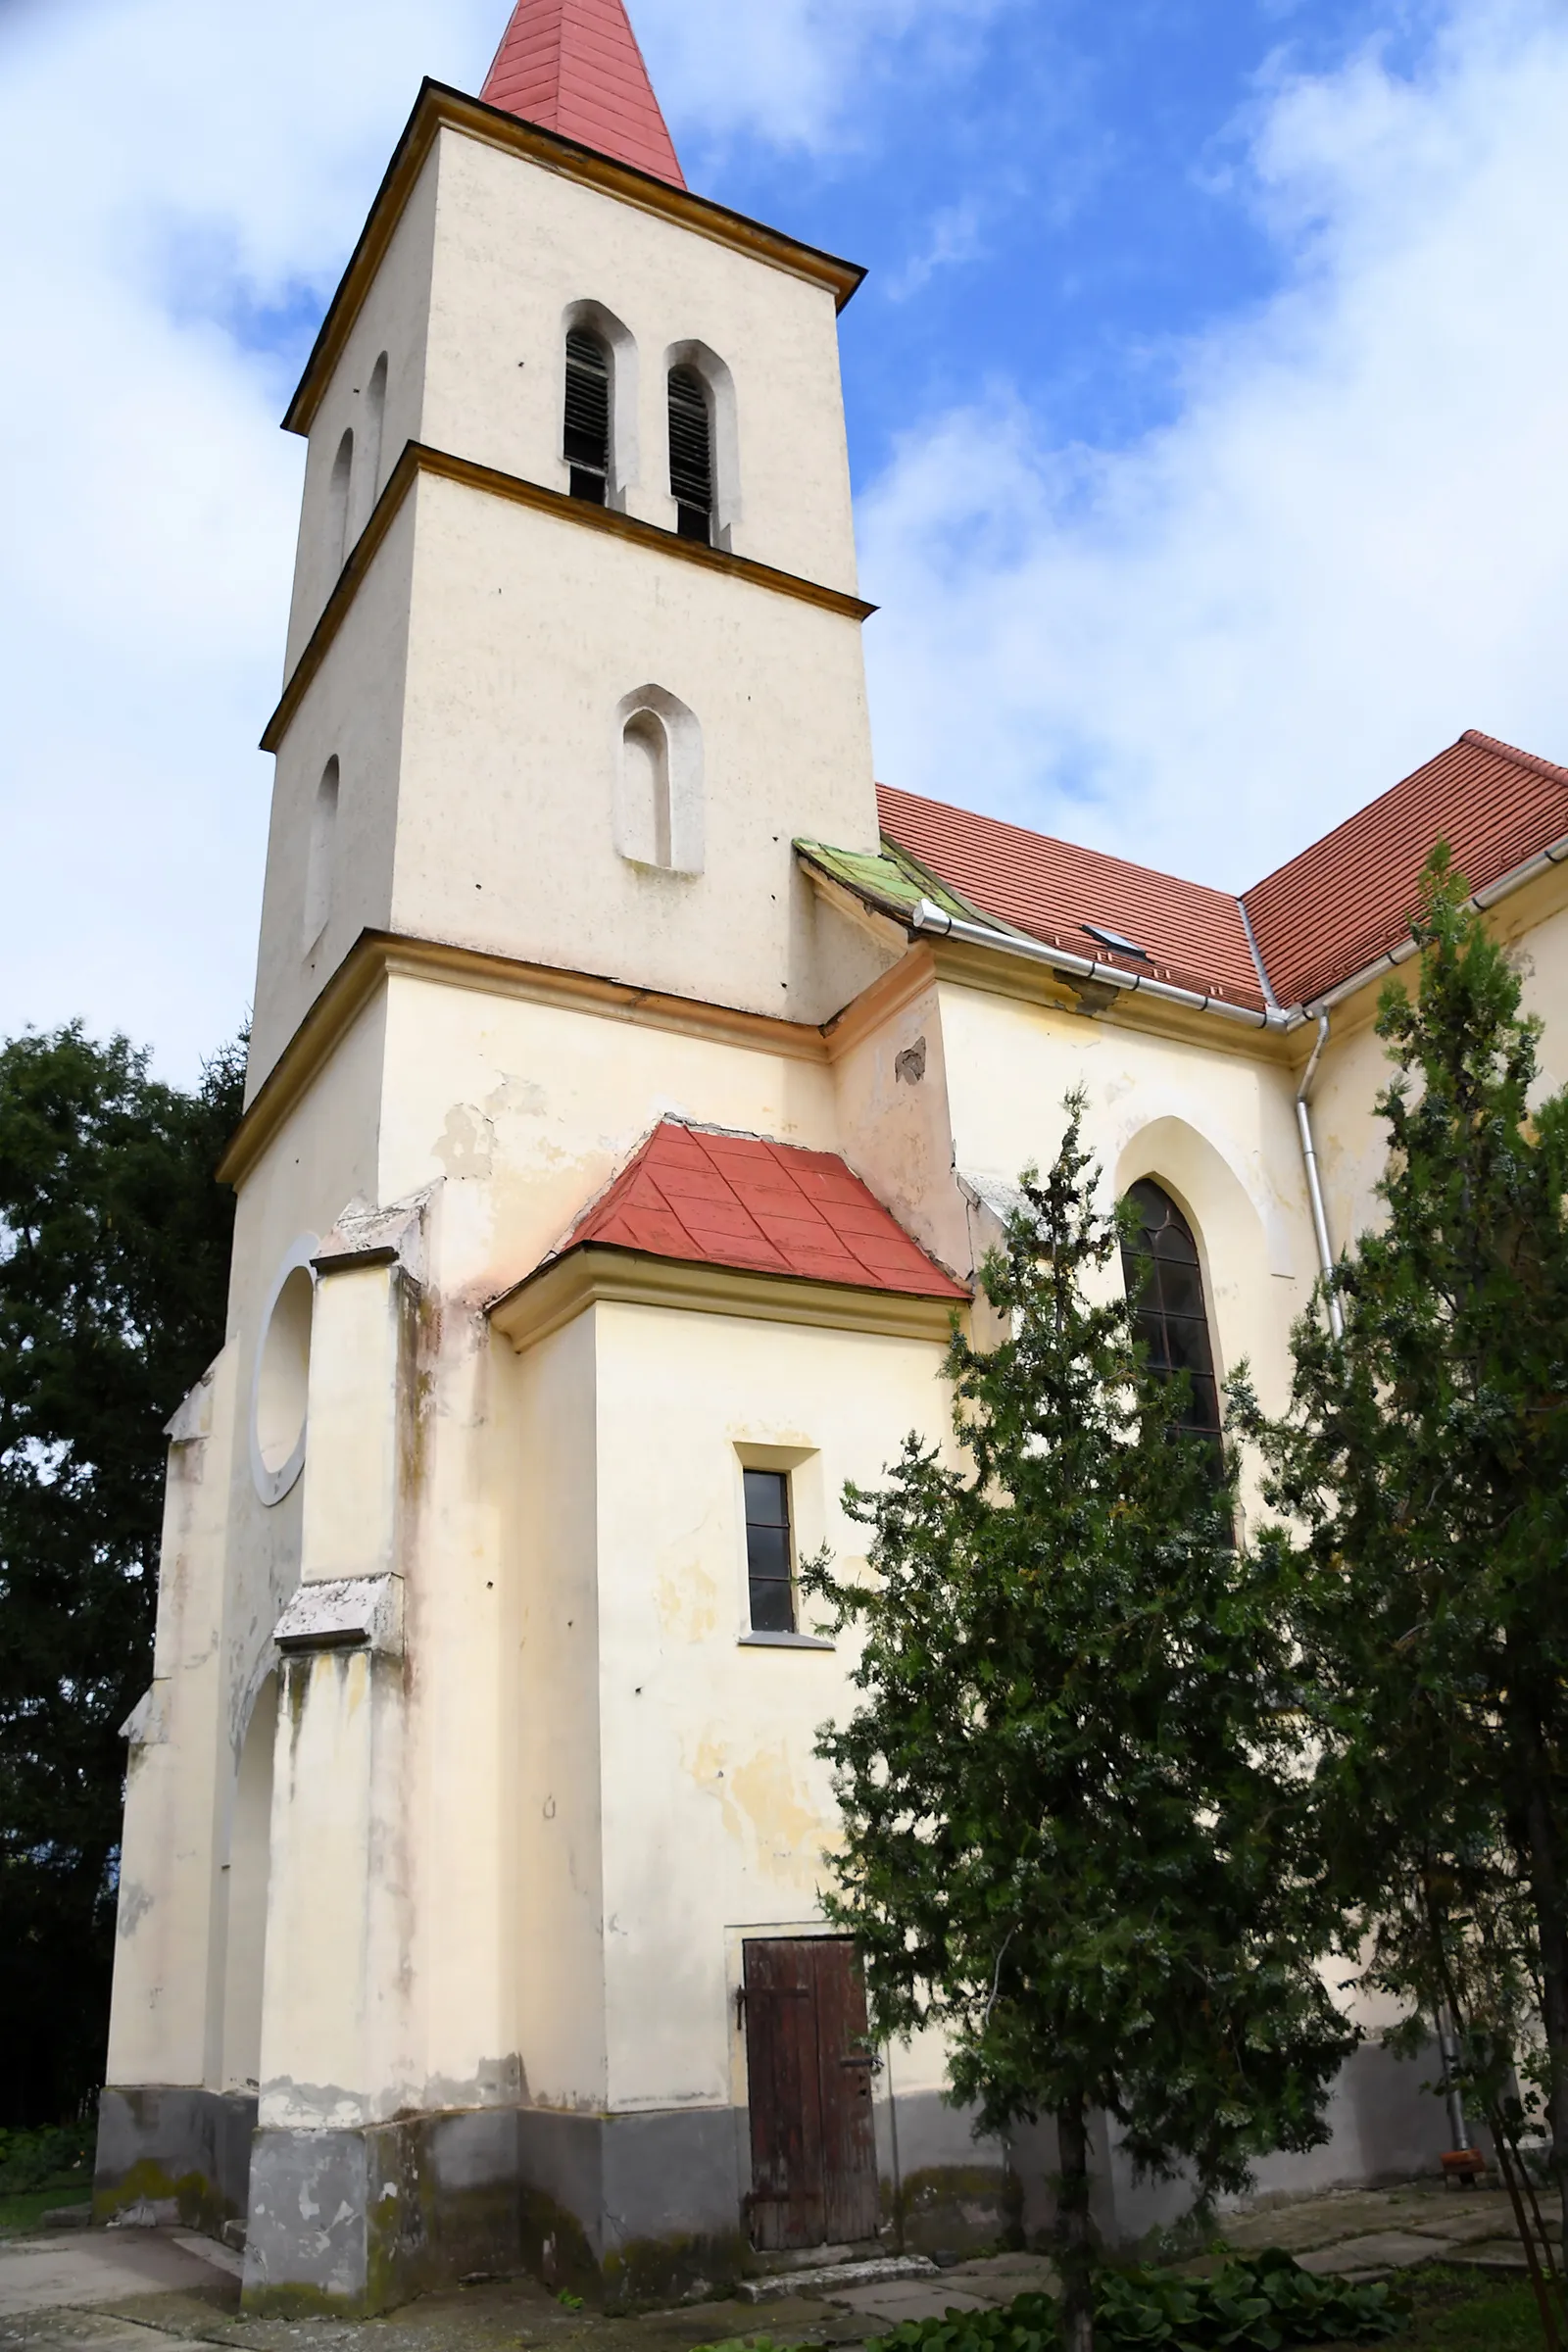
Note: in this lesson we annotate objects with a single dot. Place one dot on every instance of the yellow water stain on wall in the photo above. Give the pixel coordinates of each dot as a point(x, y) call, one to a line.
point(686, 1599)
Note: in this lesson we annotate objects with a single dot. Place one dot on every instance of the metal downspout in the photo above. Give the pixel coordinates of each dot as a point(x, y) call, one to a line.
point(1314, 1181)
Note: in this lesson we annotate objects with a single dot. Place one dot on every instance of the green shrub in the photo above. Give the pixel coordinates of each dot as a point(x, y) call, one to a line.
point(42, 2159)
point(1261, 2305)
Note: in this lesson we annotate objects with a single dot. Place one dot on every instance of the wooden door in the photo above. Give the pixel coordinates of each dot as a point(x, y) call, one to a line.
point(809, 2067)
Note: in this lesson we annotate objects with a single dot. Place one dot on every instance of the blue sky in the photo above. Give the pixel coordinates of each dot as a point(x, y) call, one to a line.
point(1207, 405)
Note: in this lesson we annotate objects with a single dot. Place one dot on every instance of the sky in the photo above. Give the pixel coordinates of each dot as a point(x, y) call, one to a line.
point(1207, 402)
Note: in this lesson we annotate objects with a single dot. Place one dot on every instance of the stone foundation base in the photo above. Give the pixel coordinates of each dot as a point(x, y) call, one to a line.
point(621, 2208)
point(182, 2155)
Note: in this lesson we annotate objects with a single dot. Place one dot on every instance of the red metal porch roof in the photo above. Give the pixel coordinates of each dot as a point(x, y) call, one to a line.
point(745, 1201)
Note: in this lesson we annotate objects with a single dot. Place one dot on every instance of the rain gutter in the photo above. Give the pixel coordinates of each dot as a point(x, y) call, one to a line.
point(1314, 1181)
point(926, 917)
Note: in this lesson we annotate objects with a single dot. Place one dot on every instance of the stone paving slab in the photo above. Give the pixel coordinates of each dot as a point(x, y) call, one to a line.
point(1502, 2254)
point(1340, 2214)
point(1378, 2250)
point(1008, 2275)
point(87, 2266)
point(65, 2330)
point(915, 2299)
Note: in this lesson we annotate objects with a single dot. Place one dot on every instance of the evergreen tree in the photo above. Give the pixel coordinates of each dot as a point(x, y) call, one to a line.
point(1424, 1465)
point(113, 1266)
point(1073, 1802)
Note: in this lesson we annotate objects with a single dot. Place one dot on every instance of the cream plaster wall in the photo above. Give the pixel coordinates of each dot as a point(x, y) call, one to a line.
point(227, 1568)
point(523, 1111)
point(394, 318)
point(1215, 1126)
point(169, 1947)
point(716, 1810)
point(541, 1676)
point(353, 712)
point(517, 245)
point(526, 632)
point(894, 1124)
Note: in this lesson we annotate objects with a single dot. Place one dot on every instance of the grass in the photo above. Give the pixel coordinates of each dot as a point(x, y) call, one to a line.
point(1454, 2312)
point(24, 2209)
point(42, 2168)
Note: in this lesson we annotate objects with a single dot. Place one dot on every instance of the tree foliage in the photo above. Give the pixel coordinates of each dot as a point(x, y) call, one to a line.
point(114, 1263)
point(1424, 1468)
point(1074, 1805)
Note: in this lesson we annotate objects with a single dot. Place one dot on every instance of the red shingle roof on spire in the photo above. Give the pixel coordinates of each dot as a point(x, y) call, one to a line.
point(574, 66)
point(745, 1201)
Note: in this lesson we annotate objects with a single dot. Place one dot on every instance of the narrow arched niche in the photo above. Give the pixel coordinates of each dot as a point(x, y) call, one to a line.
point(659, 782)
point(338, 504)
point(247, 1877)
point(321, 857)
point(374, 439)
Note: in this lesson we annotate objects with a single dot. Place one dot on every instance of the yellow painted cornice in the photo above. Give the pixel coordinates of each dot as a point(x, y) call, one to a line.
point(439, 108)
point(378, 956)
point(417, 458)
point(995, 972)
point(593, 1273)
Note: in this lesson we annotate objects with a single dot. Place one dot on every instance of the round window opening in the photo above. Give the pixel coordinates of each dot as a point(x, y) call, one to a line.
point(283, 1378)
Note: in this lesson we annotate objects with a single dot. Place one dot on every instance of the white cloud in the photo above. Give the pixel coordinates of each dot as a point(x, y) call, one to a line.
point(164, 167)
point(170, 169)
point(1350, 543)
point(794, 72)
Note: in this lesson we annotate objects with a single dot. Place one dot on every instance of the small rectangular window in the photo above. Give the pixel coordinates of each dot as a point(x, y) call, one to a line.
point(768, 1561)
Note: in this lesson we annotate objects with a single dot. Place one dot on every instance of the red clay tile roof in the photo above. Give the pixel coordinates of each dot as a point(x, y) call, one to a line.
point(764, 1208)
point(1194, 936)
point(1316, 921)
point(1350, 898)
point(574, 66)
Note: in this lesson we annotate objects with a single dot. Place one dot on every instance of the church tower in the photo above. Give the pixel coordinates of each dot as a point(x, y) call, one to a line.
point(435, 1880)
point(575, 643)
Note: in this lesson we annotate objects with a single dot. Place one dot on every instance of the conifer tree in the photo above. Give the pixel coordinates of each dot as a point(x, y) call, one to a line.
point(114, 1272)
point(1076, 1831)
point(1424, 1466)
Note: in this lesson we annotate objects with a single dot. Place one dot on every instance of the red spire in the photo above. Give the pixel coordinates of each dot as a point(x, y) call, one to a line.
point(573, 65)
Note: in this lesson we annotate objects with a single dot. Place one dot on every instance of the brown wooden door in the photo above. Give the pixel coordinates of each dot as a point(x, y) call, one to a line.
point(809, 2067)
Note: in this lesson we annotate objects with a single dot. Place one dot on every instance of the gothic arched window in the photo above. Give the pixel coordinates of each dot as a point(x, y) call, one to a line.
point(691, 455)
point(585, 439)
point(1165, 1286)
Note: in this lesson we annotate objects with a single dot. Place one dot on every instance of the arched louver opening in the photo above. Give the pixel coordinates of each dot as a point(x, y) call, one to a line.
point(1165, 1285)
point(691, 455)
point(586, 437)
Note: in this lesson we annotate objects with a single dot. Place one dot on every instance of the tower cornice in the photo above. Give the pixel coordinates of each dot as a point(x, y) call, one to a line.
point(417, 458)
point(379, 956)
point(439, 108)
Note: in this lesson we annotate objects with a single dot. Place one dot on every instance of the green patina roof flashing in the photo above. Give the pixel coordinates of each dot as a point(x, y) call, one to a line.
point(892, 881)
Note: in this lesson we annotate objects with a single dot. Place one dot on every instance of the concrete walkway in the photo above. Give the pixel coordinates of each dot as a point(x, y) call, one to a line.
point(1372, 2232)
point(155, 2289)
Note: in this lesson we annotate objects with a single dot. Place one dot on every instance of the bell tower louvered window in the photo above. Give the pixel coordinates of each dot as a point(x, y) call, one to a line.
point(691, 455)
point(587, 438)
point(1165, 1286)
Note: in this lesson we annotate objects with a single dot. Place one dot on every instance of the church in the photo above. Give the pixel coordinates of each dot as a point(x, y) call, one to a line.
point(635, 1088)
